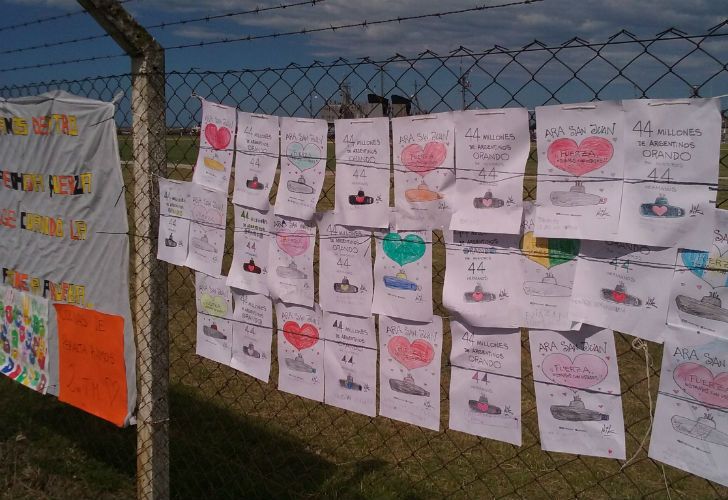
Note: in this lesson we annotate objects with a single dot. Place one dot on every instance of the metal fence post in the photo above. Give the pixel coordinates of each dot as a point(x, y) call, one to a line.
point(148, 106)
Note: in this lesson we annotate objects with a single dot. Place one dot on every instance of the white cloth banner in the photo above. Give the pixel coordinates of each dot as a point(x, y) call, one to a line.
point(257, 146)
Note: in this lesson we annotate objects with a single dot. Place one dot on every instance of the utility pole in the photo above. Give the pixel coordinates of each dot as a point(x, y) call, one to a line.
point(148, 106)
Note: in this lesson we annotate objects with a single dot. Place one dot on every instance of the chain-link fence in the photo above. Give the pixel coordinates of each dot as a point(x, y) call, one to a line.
point(233, 436)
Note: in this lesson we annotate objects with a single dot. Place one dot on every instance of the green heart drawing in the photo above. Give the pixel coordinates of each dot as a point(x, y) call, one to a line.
point(304, 157)
point(403, 251)
point(214, 305)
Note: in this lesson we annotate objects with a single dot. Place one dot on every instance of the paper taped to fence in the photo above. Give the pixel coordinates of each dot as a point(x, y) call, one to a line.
point(214, 309)
point(492, 147)
point(485, 382)
point(257, 149)
point(578, 396)
point(300, 350)
point(251, 240)
point(290, 260)
point(215, 158)
point(252, 334)
point(690, 429)
point(175, 213)
point(64, 226)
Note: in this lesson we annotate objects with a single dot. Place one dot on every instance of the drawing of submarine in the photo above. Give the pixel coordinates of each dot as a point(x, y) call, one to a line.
point(478, 295)
point(254, 183)
point(702, 428)
point(213, 332)
point(661, 208)
point(709, 307)
point(170, 242)
point(577, 412)
point(421, 193)
point(407, 386)
point(299, 186)
point(345, 287)
point(400, 282)
point(487, 201)
point(620, 296)
point(481, 405)
point(360, 199)
point(291, 271)
point(547, 287)
point(202, 244)
point(251, 267)
point(299, 365)
point(348, 383)
point(249, 350)
point(576, 197)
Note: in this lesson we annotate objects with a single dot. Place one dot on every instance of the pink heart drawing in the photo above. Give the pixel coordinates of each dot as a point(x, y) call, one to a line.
point(659, 210)
point(699, 382)
point(579, 159)
point(294, 244)
point(411, 355)
point(586, 370)
point(219, 138)
point(423, 161)
point(486, 202)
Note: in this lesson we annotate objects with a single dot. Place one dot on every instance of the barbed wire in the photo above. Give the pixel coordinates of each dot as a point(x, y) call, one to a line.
point(42, 20)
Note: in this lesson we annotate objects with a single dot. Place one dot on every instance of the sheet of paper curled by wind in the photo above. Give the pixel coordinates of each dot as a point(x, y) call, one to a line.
point(257, 151)
point(300, 350)
point(215, 158)
point(290, 260)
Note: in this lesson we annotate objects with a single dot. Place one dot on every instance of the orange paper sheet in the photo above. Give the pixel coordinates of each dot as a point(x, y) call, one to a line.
point(92, 373)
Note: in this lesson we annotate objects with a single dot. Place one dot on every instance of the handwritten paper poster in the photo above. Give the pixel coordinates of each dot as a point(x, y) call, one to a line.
point(303, 166)
point(214, 309)
point(300, 350)
point(577, 392)
point(350, 363)
point(699, 291)
point(580, 164)
point(24, 338)
point(482, 278)
point(207, 229)
point(622, 286)
point(252, 334)
point(403, 275)
point(345, 276)
point(362, 172)
point(92, 369)
point(492, 148)
point(174, 221)
point(485, 384)
point(424, 170)
point(409, 371)
point(249, 268)
point(690, 429)
point(290, 260)
point(671, 164)
point(257, 146)
point(549, 267)
point(215, 159)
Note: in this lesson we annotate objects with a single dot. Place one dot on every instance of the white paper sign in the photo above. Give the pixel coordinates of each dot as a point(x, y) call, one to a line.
point(485, 384)
point(549, 266)
point(577, 392)
point(362, 172)
point(671, 161)
point(409, 371)
point(208, 210)
point(483, 277)
point(621, 286)
point(249, 268)
point(690, 429)
point(424, 170)
point(257, 146)
point(699, 292)
point(492, 149)
point(403, 275)
point(215, 159)
point(580, 164)
point(300, 351)
point(345, 276)
point(214, 308)
point(174, 221)
point(350, 363)
point(252, 334)
point(303, 166)
point(290, 260)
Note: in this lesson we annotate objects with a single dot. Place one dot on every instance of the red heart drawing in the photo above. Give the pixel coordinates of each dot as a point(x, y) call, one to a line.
point(300, 337)
point(699, 382)
point(219, 138)
point(487, 202)
point(415, 355)
point(359, 199)
point(293, 243)
point(659, 210)
point(423, 161)
point(618, 296)
point(477, 296)
point(586, 370)
point(579, 159)
point(482, 406)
